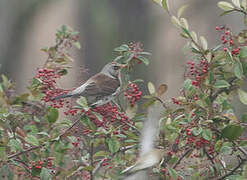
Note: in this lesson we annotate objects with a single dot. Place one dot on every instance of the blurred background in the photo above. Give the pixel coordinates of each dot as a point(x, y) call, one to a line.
point(28, 25)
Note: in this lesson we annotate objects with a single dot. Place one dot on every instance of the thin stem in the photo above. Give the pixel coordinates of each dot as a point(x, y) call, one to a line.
point(241, 162)
point(211, 160)
point(40, 146)
point(181, 158)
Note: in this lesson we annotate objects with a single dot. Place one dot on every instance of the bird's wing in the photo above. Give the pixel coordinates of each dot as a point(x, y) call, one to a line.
point(101, 85)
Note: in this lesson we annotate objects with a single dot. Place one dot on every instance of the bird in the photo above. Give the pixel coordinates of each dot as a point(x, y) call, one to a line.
point(104, 86)
point(147, 160)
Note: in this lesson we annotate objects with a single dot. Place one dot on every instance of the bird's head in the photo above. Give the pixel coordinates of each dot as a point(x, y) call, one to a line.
point(112, 69)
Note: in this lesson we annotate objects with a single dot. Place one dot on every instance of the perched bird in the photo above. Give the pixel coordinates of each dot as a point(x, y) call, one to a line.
point(147, 160)
point(104, 86)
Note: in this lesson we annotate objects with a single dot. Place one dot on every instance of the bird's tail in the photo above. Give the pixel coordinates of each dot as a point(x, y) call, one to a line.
point(62, 96)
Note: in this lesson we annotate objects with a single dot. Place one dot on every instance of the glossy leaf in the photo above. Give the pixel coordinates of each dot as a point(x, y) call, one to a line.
point(221, 84)
point(151, 88)
point(207, 134)
point(181, 10)
point(173, 173)
point(175, 21)
point(243, 52)
point(238, 70)
point(236, 3)
point(113, 145)
point(45, 174)
point(242, 96)
point(197, 131)
point(52, 115)
point(194, 36)
point(204, 43)
point(31, 139)
point(184, 23)
point(122, 48)
point(83, 102)
point(143, 59)
point(232, 132)
point(165, 5)
point(226, 6)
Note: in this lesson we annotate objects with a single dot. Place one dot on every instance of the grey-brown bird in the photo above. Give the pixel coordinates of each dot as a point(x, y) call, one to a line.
point(147, 160)
point(104, 86)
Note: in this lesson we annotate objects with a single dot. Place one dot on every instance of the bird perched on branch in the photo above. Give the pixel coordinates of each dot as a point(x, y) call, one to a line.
point(104, 86)
point(147, 160)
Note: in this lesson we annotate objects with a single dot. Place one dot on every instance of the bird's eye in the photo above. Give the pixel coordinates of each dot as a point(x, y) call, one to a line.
point(116, 68)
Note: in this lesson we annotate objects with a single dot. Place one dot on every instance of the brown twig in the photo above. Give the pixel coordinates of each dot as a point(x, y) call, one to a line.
point(211, 160)
point(91, 160)
point(95, 170)
point(241, 162)
point(181, 158)
point(40, 146)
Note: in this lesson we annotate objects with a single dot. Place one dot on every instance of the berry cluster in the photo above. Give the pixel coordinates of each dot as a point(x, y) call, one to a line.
point(48, 79)
point(197, 71)
point(198, 142)
point(110, 115)
point(39, 164)
point(136, 48)
point(227, 39)
point(75, 144)
point(226, 35)
point(175, 101)
point(132, 93)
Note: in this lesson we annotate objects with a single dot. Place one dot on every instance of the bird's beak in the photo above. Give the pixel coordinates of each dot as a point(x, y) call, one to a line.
point(123, 66)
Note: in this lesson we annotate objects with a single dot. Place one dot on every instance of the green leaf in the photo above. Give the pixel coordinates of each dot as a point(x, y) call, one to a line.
point(77, 44)
point(181, 10)
point(204, 42)
point(185, 31)
point(122, 48)
point(232, 132)
point(196, 131)
point(165, 5)
point(194, 36)
point(226, 150)
point(101, 154)
point(218, 145)
point(88, 123)
point(3, 154)
point(236, 3)
point(221, 84)
point(226, 6)
point(244, 118)
point(175, 21)
point(143, 59)
point(15, 145)
point(244, 4)
point(83, 102)
point(242, 96)
point(45, 174)
point(52, 115)
point(113, 145)
point(188, 84)
point(243, 52)
point(207, 134)
point(238, 70)
point(31, 139)
point(6, 173)
point(173, 173)
point(151, 88)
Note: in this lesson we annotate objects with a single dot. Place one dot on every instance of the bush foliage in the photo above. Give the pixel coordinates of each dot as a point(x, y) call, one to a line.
point(199, 130)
